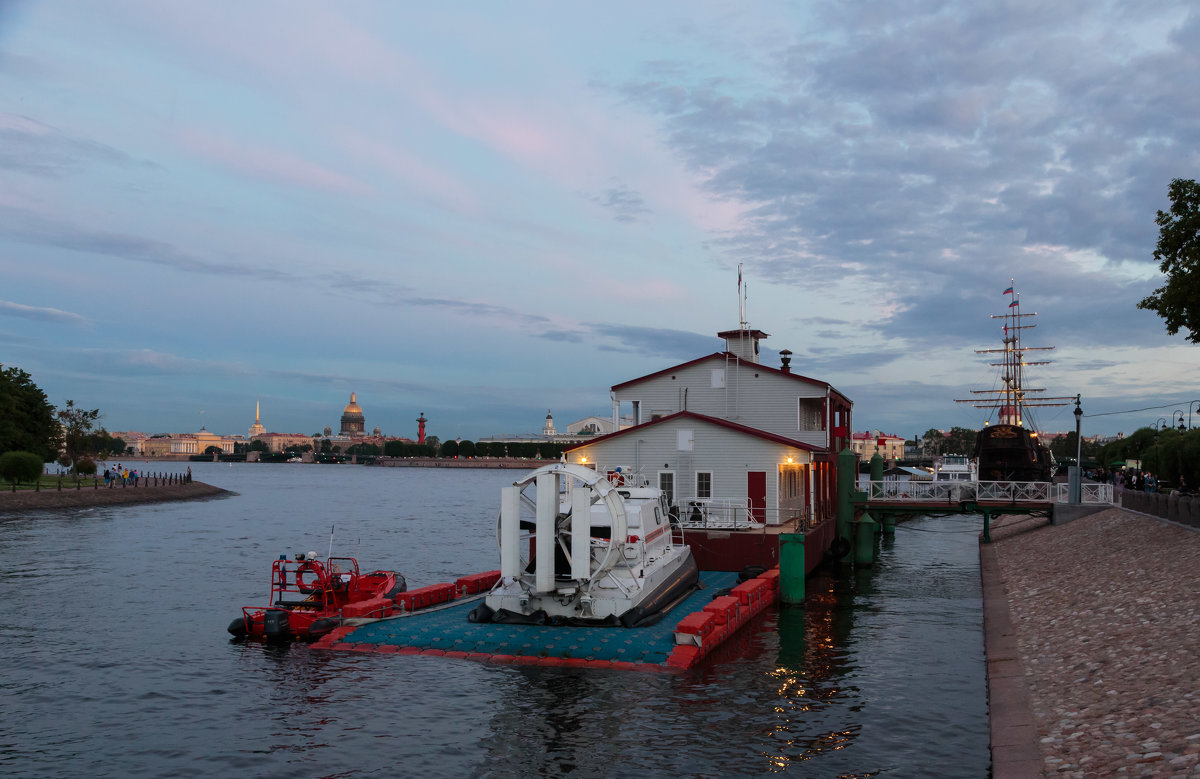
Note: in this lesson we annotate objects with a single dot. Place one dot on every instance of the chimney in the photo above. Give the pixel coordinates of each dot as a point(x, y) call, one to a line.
point(785, 357)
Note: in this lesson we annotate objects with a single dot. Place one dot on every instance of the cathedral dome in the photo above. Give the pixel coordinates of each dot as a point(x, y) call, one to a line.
point(353, 423)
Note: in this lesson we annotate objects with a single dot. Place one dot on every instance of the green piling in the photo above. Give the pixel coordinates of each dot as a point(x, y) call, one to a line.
point(791, 567)
point(864, 542)
point(846, 472)
point(987, 527)
point(889, 523)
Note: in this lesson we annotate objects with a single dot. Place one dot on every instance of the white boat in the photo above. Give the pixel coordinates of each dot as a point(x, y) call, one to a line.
point(954, 467)
point(577, 549)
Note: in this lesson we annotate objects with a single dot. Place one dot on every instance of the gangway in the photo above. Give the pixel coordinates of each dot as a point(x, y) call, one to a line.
point(976, 497)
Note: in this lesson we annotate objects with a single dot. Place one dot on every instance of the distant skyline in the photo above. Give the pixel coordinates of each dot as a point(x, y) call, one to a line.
point(482, 211)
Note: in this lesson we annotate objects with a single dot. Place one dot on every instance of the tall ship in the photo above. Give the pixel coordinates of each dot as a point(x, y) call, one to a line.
point(1011, 449)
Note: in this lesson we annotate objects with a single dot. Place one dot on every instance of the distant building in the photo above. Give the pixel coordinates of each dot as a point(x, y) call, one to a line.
point(256, 428)
point(576, 433)
point(353, 422)
point(133, 440)
point(278, 442)
point(865, 445)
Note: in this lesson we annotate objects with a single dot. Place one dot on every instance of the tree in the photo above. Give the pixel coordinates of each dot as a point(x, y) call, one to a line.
point(26, 416)
point(213, 449)
point(16, 467)
point(1178, 254)
point(933, 442)
point(76, 426)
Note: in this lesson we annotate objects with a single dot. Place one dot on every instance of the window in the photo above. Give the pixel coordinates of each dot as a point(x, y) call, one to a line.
point(684, 440)
point(718, 378)
point(666, 483)
point(703, 484)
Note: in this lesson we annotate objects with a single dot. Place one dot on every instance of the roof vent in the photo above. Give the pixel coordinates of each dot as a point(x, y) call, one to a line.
point(785, 358)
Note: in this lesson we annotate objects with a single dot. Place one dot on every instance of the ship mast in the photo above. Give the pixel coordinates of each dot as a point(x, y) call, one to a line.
point(1013, 398)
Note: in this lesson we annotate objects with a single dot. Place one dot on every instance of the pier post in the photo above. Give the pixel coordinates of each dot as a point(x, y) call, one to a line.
point(791, 567)
point(846, 473)
point(987, 527)
point(864, 542)
point(877, 476)
point(889, 523)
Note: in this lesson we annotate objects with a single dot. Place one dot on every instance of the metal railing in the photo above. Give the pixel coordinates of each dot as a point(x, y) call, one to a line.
point(717, 513)
point(984, 492)
point(1091, 493)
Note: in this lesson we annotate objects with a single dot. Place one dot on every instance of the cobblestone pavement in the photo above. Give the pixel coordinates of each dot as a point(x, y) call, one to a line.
point(1106, 611)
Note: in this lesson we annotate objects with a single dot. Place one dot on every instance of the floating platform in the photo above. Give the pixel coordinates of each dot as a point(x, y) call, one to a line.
point(688, 633)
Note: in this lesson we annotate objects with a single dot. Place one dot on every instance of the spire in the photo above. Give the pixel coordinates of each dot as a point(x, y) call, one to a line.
point(256, 412)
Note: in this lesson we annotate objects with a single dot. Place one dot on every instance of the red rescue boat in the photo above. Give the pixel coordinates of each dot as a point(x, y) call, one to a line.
point(309, 598)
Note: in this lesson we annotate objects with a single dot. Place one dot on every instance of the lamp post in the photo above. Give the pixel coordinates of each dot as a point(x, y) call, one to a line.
point(1077, 482)
point(1180, 427)
point(1195, 403)
point(1160, 424)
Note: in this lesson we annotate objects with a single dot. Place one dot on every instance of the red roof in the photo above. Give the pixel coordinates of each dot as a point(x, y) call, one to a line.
point(725, 423)
point(722, 356)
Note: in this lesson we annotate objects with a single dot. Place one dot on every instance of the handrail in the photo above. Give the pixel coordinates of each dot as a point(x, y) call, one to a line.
point(954, 492)
point(721, 513)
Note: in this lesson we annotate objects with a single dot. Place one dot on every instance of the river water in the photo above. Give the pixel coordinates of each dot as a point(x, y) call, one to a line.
point(116, 661)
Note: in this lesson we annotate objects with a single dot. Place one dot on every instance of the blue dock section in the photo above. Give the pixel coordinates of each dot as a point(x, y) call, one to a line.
point(445, 630)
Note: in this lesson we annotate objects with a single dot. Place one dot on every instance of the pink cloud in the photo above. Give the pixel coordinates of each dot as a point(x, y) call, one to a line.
point(266, 162)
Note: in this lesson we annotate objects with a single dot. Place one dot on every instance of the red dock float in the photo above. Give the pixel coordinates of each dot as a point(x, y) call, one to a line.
point(476, 583)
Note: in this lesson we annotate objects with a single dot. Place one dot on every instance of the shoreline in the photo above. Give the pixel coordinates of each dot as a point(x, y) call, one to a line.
point(87, 496)
point(1089, 634)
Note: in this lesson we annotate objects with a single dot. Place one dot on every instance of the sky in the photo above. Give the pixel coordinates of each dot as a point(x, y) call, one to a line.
point(483, 211)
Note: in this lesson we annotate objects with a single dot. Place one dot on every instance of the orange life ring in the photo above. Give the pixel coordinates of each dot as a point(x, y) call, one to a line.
point(308, 587)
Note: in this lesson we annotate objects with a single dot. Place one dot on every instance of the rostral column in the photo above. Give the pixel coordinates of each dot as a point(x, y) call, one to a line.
point(421, 420)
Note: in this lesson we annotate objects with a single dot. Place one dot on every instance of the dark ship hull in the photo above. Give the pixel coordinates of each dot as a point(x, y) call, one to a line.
point(1011, 453)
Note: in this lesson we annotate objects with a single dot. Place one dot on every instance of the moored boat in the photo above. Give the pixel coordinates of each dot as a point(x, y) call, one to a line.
point(1011, 450)
point(309, 598)
point(577, 549)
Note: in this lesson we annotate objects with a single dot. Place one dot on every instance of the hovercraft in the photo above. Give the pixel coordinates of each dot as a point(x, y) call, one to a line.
point(308, 596)
point(577, 549)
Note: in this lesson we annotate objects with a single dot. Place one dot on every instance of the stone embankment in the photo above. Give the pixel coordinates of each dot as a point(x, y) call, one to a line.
point(87, 495)
point(1104, 633)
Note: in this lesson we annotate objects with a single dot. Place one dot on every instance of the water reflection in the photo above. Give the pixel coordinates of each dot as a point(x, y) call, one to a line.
point(874, 662)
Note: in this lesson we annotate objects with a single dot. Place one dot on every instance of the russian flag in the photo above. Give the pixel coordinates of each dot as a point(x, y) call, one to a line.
point(1007, 291)
point(1015, 302)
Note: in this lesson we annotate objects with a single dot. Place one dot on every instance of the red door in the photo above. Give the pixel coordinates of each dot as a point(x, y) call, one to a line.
point(756, 491)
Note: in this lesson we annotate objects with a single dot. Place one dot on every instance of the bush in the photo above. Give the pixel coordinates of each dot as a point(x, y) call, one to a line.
point(16, 467)
point(86, 467)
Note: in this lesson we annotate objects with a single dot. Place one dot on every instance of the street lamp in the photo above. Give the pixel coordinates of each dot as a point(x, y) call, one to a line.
point(1180, 426)
point(1159, 425)
point(1195, 403)
point(1078, 440)
point(1077, 483)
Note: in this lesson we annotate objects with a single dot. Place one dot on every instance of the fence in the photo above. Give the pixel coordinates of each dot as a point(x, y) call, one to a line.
point(1183, 509)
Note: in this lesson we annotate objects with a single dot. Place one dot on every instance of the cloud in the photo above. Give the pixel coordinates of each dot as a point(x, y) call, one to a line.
point(626, 205)
point(35, 313)
point(926, 145)
point(32, 147)
point(27, 226)
point(268, 163)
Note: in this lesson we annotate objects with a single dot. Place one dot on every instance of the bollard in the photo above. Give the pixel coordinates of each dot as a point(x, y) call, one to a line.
point(791, 567)
point(864, 541)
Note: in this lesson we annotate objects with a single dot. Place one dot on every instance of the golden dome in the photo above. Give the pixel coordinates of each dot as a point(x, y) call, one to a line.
point(353, 407)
